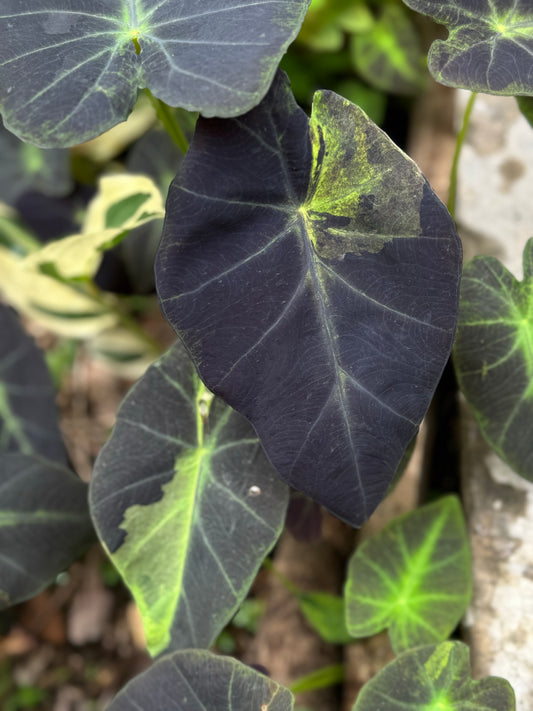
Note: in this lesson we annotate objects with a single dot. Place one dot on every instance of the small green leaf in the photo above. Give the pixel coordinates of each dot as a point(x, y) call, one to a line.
point(493, 356)
point(320, 679)
point(186, 503)
point(434, 678)
point(197, 680)
point(412, 578)
point(124, 210)
point(525, 104)
point(389, 56)
point(489, 48)
point(326, 614)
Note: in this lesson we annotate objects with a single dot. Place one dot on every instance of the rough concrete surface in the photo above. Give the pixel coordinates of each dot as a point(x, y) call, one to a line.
point(495, 216)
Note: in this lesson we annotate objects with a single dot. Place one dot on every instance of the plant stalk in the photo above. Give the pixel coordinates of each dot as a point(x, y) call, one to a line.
point(167, 118)
point(458, 147)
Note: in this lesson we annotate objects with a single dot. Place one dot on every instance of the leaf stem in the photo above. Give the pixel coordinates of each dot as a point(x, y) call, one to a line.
point(320, 679)
point(167, 118)
point(458, 147)
point(291, 587)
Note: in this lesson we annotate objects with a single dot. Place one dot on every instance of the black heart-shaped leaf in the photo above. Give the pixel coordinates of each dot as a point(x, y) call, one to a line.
point(314, 280)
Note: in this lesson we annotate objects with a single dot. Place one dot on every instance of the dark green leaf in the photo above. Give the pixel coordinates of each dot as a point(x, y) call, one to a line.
point(315, 282)
point(525, 104)
point(125, 209)
point(25, 167)
point(196, 680)
point(489, 48)
point(434, 678)
point(68, 74)
point(389, 56)
point(493, 356)
point(320, 679)
point(326, 614)
point(28, 413)
point(186, 504)
point(413, 577)
point(44, 524)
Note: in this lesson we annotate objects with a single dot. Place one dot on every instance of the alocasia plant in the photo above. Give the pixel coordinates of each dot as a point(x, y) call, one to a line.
point(82, 67)
point(493, 355)
point(44, 518)
point(313, 277)
point(315, 284)
point(489, 48)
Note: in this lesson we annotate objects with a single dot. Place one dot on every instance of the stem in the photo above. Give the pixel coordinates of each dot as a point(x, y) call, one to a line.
point(167, 118)
point(291, 587)
point(458, 146)
point(17, 236)
point(320, 679)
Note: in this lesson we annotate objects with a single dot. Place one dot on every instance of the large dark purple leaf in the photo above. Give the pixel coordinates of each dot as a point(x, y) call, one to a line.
point(197, 680)
point(28, 412)
point(313, 276)
point(44, 524)
point(69, 71)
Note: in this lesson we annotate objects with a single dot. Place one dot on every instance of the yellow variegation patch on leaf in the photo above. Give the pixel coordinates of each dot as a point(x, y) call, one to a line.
point(59, 307)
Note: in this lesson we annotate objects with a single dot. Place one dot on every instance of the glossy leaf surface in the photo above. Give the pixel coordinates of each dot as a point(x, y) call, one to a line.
point(186, 504)
point(44, 524)
point(489, 48)
point(68, 74)
point(413, 577)
point(28, 413)
point(198, 680)
point(493, 356)
point(315, 283)
point(432, 678)
point(25, 167)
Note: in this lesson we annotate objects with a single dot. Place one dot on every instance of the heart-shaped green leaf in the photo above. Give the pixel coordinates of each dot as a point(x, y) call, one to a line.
point(196, 680)
point(413, 577)
point(44, 524)
point(434, 678)
point(68, 73)
point(489, 48)
point(315, 283)
point(28, 413)
point(493, 356)
point(186, 503)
